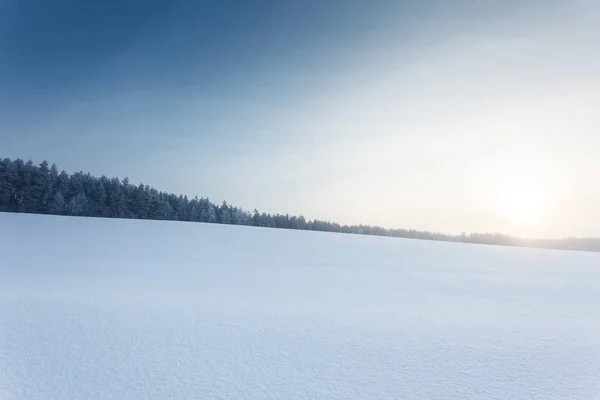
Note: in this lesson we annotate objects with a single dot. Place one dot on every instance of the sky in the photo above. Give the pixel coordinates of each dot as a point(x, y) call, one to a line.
point(462, 116)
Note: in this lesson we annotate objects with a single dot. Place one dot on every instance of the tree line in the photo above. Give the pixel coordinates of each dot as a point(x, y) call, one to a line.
point(43, 189)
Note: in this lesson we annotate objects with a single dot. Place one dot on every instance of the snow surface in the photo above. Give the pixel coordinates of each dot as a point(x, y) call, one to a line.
point(121, 309)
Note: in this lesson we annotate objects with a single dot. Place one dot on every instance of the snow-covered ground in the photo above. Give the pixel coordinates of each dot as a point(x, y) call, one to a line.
point(121, 309)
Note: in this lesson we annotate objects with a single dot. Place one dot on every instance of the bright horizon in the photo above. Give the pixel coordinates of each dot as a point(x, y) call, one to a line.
point(471, 117)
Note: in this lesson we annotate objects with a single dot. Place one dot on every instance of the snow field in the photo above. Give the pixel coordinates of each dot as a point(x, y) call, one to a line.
point(107, 309)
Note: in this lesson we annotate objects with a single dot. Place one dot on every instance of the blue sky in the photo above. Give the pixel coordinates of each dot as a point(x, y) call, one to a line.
point(447, 116)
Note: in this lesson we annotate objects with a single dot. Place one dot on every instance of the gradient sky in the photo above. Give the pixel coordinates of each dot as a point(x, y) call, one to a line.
point(451, 116)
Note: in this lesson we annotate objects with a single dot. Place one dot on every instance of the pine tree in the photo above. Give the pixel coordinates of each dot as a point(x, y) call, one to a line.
point(211, 215)
point(224, 214)
point(194, 210)
point(58, 204)
point(40, 188)
point(78, 205)
point(8, 180)
point(99, 199)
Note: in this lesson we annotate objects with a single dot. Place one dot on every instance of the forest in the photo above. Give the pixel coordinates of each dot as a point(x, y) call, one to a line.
point(42, 189)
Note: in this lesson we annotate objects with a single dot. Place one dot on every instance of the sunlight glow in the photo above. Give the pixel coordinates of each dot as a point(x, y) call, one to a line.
point(524, 201)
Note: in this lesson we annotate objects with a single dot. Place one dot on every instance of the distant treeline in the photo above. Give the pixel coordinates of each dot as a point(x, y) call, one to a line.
point(43, 189)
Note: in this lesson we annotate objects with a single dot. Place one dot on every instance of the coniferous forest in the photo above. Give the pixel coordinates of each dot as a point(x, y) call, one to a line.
point(42, 189)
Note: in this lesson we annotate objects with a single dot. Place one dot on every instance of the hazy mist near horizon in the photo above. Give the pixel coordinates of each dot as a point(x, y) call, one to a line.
point(475, 116)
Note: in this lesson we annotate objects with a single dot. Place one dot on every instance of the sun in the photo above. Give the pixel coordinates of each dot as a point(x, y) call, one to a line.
point(523, 201)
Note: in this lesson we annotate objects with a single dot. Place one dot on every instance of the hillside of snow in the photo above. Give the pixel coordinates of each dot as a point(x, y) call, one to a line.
point(124, 309)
